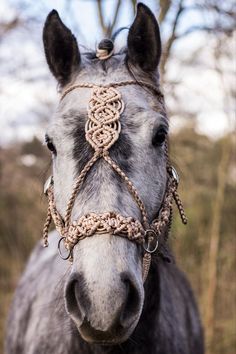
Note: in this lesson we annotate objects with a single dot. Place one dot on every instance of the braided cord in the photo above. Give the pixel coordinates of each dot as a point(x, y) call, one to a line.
point(46, 227)
point(113, 84)
point(146, 265)
point(175, 193)
point(180, 207)
point(52, 214)
point(164, 216)
point(78, 185)
point(130, 186)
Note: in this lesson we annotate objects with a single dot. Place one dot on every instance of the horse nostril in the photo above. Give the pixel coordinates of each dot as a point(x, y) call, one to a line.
point(131, 307)
point(75, 300)
point(71, 298)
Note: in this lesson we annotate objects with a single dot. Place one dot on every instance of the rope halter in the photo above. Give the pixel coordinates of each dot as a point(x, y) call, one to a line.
point(102, 131)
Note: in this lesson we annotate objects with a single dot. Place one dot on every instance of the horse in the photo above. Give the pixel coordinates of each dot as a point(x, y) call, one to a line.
point(100, 301)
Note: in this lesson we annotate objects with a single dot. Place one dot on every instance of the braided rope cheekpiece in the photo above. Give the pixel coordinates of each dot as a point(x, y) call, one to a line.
point(102, 131)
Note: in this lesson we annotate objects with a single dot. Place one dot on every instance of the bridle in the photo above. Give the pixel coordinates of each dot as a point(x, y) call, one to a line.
point(102, 131)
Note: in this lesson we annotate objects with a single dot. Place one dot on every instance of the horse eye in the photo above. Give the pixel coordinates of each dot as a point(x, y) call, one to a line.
point(159, 137)
point(51, 147)
point(50, 144)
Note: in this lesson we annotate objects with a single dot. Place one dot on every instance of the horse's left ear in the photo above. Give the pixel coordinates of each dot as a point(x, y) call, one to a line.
point(61, 49)
point(144, 42)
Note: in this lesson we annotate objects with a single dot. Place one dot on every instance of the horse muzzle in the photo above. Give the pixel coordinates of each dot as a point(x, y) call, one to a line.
point(105, 301)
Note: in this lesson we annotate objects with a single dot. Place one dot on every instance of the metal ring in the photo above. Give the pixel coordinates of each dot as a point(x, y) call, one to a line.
point(48, 183)
point(59, 250)
point(174, 174)
point(148, 233)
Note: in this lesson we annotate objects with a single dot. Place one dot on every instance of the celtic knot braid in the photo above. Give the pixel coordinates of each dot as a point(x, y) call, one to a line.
point(103, 126)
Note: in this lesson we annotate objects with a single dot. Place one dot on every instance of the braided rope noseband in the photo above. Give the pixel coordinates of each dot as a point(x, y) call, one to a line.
point(102, 130)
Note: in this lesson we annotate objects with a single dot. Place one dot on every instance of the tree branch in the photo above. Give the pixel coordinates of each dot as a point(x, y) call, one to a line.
point(134, 4)
point(111, 27)
point(219, 29)
point(107, 29)
point(164, 9)
point(100, 15)
point(8, 26)
point(170, 41)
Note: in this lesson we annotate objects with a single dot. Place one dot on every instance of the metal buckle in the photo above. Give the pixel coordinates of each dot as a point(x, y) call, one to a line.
point(60, 252)
point(150, 236)
point(47, 184)
point(174, 174)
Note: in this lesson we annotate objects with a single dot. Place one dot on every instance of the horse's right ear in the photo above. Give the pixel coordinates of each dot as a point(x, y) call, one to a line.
point(60, 48)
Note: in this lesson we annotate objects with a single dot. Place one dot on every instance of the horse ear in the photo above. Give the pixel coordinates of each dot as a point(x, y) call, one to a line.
point(61, 49)
point(144, 42)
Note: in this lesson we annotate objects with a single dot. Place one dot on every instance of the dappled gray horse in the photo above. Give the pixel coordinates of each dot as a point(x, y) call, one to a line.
point(99, 302)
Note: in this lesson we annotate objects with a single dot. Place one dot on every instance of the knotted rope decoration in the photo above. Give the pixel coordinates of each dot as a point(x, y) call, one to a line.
point(103, 126)
point(102, 131)
point(110, 222)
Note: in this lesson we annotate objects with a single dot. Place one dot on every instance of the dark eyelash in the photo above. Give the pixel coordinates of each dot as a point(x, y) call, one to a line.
point(50, 144)
point(47, 139)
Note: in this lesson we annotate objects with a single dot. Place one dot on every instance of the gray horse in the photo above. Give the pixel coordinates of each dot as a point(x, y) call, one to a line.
point(99, 304)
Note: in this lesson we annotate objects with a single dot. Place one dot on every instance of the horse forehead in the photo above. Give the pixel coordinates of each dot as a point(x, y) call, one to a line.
point(137, 118)
point(115, 68)
point(134, 96)
point(137, 101)
point(74, 108)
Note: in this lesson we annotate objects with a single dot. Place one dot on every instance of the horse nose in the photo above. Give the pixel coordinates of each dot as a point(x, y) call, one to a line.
point(77, 301)
point(132, 300)
point(119, 304)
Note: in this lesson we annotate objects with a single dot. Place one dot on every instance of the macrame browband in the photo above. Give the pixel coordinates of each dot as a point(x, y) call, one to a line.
point(102, 131)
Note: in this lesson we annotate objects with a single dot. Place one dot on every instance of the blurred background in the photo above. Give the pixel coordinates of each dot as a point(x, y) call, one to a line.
point(198, 79)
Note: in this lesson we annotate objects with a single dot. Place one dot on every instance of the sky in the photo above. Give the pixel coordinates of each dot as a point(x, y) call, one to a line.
point(28, 92)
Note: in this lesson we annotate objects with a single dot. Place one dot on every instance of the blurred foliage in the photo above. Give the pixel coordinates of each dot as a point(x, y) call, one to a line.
point(22, 211)
point(197, 158)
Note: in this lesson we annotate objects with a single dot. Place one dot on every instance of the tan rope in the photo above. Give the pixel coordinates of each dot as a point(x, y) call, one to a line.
point(46, 227)
point(175, 193)
point(162, 221)
point(102, 130)
point(104, 110)
point(130, 186)
point(180, 207)
point(78, 185)
point(146, 265)
point(52, 213)
point(109, 222)
point(103, 54)
point(113, 84)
